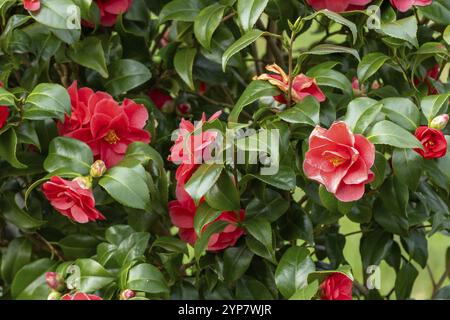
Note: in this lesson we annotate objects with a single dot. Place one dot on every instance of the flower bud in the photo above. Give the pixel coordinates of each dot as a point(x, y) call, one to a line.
point(84, 182)
point(440, 122)
point(98, 169)
point(184, 109)
point(54, 281)
point(54, 295)
point(127, 294)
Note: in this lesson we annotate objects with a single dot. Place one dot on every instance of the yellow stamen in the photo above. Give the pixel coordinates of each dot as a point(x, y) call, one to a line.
point(111, 137)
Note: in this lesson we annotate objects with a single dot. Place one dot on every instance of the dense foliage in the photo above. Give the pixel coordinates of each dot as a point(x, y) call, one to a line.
point(200, 149)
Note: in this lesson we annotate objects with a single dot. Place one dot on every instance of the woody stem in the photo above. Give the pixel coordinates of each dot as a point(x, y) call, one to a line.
point(291, 68)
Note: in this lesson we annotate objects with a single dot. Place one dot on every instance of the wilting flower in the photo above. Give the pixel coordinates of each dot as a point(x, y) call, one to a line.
point(32, 5)
point(302, 86)
point(191, 141)
point(161, 100)
point(4, 114)
point(80, 296)
point(433, 141)
point(71, 199)
point(338, 5)
point(440, 122)
point(182, 215)
point(432, 74)
point(337, 286)
point(107, 127)
point(340, 160)
point(405, 5)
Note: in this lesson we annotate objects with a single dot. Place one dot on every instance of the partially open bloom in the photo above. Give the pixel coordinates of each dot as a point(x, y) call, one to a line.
point(340, 160)
point(440, 122)
point(80, 296)
point(32, 5)
point(111, 9)
point(405, 5)
point(191, 141)
point(4, 114)
point(337, 286)
point(338, 5)
point(71, 199)
point(182, 215)
point(54, 281)
point(433, 141)
point(162, 100)
point(107, 127)
point(302, 86)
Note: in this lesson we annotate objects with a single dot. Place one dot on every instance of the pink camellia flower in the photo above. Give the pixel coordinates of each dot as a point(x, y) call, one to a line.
point(4, 115)
point(32, 5)
point(182, 215)
point(302, 86)
point(80, 296)
point(162, 100)
point(405, 5)
point(337, 286)
point(107, 127)
point(433, 141)
point(338, 5)
point(340, 160)
point(191, 141)
point(54, 281)
point(183, 174)
point(72, 199)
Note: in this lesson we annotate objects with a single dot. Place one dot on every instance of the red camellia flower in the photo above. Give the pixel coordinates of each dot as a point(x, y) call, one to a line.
point(405, 5)
point(72, 199)
point(337, 286)
point(340, 160)
point(80, 296)
point(161, 99)
point(433, 141)
point(338, 5)
point(191, 141)
point(111, 9)
point(182, 215)
point(4, 114)
point(32, 5)
point(108, 128)
point(302, 86)
point(433, 74)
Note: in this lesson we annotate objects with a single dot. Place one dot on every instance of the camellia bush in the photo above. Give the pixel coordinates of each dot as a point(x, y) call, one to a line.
point(200, 149)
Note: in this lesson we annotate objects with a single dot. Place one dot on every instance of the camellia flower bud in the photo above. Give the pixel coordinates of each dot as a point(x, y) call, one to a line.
point(54, 281)
point(440, 122)
point(127, 294)
point(98, 169)
point(184, 109)
point(84, 182)
point(54, 295)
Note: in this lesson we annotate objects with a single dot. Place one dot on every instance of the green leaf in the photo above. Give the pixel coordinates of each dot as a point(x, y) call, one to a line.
point(16, 256)
point(370, 64)
point(379, 168)
point(78, 246)
point(374, 247)
point(92, 276)
point(89, 53)
point(261, 230)
point(404, 29)
point(405, 281)
point(132, 247)
point(47, 100)
point(7, 98)
point(284, 179)
point(408, 166)
point(361, 112)
point(306, 112)
point(402, 111)
point(183, 63)
point(126, 74)
point(144, 153)
point(171, 244)
point(70, 155)
point(327, 49)
point(127, 187)
point(249, 12)
point(336, 17)
point(246, 40)
point(416, 245)
point(254, 91)
point(438, 11)
point(8, 149)
point(147, 278)
point(446, 34)
point(180, 10)
point(15, 215)
point(58, 14)
point(306, 293)
point(203, 180)
point(331, 78)
point(387, 132)
point(202, 242)
point(251, 289)
point(223, 195)
point(207, 22)
point(434, 105)
point(270, 206)
point(203, 216)
point(235, 263)
point(292, 271)
point(29, 282)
